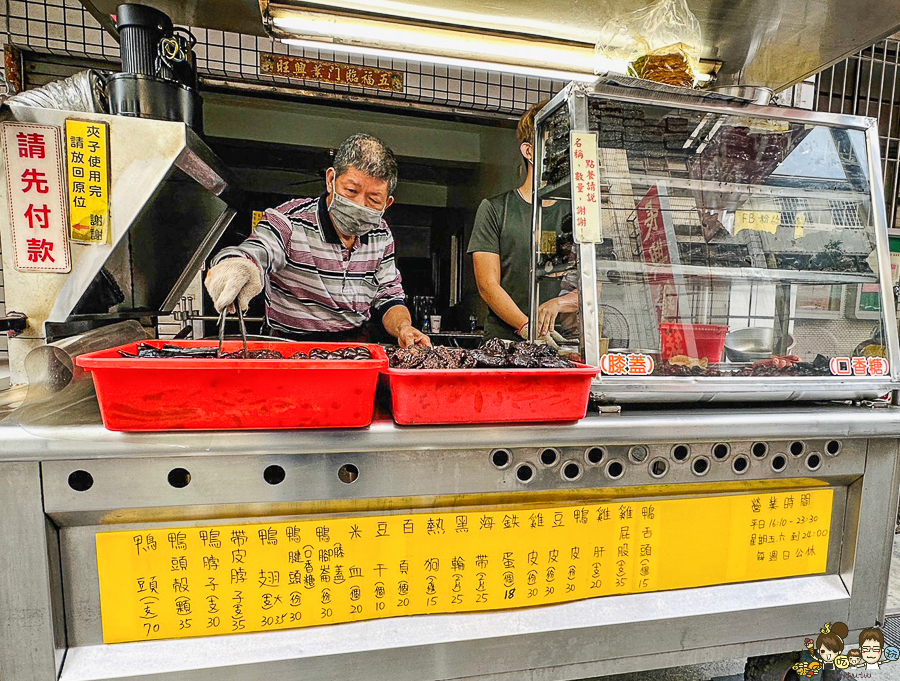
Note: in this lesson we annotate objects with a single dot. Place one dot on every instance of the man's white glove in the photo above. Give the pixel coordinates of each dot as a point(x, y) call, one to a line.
point(233, 279)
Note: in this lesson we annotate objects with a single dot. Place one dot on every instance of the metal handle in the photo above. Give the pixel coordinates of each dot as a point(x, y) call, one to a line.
point(13, 322)
point(243, 329)
point(222, 318)
point(221, 331)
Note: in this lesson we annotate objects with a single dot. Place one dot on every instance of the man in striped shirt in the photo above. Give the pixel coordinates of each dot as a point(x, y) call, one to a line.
point(326, 264)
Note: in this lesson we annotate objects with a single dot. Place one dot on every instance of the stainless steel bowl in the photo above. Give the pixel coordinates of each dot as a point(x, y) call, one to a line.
point(752, 345)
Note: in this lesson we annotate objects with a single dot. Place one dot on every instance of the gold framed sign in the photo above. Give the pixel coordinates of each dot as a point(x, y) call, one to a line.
point(330, 72)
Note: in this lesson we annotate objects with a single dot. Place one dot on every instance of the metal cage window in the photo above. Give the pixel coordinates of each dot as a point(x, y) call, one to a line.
point(866, 84)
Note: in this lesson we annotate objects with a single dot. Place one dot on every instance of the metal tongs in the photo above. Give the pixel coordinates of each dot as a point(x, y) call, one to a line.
point(222, 316)
point(555, 340)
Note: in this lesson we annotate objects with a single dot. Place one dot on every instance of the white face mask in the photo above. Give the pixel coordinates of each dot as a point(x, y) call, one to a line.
point(350, 218)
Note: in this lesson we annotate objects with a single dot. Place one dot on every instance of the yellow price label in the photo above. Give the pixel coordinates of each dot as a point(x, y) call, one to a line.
point(87, 164)
point(255, 218)
point(760, 221)
point(201, 581)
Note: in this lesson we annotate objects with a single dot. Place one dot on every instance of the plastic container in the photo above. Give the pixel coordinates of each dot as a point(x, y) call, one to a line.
point(443, 396)
point(693, 340)
point(234, 394)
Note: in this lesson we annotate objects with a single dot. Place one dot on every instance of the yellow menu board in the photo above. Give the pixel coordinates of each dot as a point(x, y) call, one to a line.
point(201, 581)
point(87, 162)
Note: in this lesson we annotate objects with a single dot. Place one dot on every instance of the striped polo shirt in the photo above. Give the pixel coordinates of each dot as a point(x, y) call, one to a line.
point(313, 283)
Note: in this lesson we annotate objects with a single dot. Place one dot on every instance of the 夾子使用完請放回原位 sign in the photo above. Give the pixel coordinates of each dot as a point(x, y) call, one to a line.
point(87, 161)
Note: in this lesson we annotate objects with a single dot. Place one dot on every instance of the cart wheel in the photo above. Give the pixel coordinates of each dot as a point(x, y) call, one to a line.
point(772, 668)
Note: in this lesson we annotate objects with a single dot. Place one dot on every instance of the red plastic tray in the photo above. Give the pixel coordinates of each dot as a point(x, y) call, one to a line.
point(234, 394)
point(443, 396)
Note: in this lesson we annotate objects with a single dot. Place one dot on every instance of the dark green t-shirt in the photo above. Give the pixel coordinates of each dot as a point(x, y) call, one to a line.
point(503, 226)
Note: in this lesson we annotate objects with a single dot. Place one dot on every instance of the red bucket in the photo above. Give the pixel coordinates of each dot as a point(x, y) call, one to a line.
point(693, 340)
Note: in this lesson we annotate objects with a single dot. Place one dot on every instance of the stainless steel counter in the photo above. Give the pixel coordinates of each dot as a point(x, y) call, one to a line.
point(60, 485)
point(91, 440)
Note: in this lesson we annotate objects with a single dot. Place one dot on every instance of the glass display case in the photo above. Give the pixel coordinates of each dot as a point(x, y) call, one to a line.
point(715, 249)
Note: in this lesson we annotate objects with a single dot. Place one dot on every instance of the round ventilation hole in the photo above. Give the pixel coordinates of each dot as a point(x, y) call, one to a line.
point(615, 470)
point(721, 450)
point(595, 455)
point(525, 472)
point(740, 464)
point(500, 458)
point(81, 481)
point(681, 452)
point(274, 475)
point(549, 457)
point(179, 477)
point(348, 473)
point(571, 471)
point(700, 466)
point(638, 453)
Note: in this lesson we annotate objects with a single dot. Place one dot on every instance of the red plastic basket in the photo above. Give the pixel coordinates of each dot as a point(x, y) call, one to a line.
point(694, 340)
point(234, 394)
point(443, 396)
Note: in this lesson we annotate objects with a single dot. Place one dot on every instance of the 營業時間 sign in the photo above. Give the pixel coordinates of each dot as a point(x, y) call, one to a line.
point(220, 579)
point(87, 160)
point(37, 211)
point(330, 72)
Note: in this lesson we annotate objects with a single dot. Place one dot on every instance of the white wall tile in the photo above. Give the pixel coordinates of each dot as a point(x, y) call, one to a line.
point(55, 14)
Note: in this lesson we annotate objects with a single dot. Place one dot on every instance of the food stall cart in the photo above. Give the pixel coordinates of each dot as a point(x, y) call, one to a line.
point(628, 540)
point(65, 486)
point(637, 538)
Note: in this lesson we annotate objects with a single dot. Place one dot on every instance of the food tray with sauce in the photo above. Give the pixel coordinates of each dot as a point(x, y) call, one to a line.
point(142, 394)
point(446, 396)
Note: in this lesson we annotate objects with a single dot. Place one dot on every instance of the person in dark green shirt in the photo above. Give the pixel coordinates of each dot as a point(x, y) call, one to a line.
point(501, 251)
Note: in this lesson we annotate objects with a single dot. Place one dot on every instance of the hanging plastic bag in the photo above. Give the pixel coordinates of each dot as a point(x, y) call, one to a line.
point(660, 42)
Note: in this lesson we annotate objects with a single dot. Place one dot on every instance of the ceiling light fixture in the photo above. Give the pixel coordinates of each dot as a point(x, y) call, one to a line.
point(434, 43)
point(446, 61)
point(319, 28)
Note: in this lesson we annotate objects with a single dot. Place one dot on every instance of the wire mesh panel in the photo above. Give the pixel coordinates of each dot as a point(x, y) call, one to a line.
point(66, 28)
point(866, 84)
